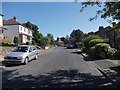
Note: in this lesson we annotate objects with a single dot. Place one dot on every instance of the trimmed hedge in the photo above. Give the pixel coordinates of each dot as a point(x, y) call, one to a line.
point(103, 50)
point(88, 39)
point(95, 41)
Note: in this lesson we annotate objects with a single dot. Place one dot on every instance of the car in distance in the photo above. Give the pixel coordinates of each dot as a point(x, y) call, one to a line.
point(21, 54)
point(70, 46)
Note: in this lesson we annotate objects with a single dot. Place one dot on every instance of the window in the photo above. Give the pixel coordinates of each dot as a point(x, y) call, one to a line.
point(28, 37)
point(29, 31)
point(21, 28)
point(31, 49)
point(34, 48)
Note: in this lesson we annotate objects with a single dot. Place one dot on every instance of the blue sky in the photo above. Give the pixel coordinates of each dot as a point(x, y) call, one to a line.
point(57, 18)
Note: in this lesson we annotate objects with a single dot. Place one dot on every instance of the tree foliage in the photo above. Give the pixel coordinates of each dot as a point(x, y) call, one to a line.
point(76, 36)
point(49, 35)
point(16, 40)
point(87, 40)
point(108, 10)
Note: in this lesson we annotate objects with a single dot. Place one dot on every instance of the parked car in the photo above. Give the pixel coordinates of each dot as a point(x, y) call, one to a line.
point(70, 46)
point(21, 54)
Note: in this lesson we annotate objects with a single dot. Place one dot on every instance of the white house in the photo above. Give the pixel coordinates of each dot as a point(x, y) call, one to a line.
point(16, 29)
point(1, 26)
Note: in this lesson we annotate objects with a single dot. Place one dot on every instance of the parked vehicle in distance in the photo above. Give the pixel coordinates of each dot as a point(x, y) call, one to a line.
point(70, 46)
point(21, 54)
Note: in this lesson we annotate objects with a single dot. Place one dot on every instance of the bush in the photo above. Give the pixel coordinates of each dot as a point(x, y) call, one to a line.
point(7, 40)
point(103, 50)
point(88, 39)
point(27, 43)
point(92, 51)
point(95, 41)
point(33, 42)
point(111, 53)
point(16, 40)
point(7, 44)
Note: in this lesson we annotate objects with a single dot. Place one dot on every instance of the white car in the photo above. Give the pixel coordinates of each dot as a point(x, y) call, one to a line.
point(21, 54)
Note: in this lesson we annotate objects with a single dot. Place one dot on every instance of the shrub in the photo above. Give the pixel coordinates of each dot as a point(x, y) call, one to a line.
point(103, 50)
point(80, 45)
point(111, 53)
point(33, 42)
point(88, 39)
point(16, 40)
point(92, 51)
point(27, 43)
point(95, 41)
point(7, 40)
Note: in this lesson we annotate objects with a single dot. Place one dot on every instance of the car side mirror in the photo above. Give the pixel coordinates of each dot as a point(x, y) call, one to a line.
point(30, 50)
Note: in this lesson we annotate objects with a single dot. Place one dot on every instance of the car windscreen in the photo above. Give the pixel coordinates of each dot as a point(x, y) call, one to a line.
point(20, 49)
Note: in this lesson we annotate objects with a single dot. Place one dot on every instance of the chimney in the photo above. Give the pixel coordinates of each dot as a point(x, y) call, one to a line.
point(101, 28)
point(15, 18)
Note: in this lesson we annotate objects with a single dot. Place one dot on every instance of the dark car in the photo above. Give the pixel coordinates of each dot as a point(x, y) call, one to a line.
point(70, 46)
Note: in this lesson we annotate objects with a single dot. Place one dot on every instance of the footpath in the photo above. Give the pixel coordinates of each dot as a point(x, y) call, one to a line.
point(109, 68)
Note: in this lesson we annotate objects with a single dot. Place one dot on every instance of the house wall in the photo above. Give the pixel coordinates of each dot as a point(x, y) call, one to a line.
point(11, 32)
point(25, 31)
point(1, 22)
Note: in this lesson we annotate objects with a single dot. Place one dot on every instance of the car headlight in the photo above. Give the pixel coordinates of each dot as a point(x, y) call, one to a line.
point(19, 58)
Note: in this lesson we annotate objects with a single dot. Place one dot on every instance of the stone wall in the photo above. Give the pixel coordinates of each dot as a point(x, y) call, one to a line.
point(4, 51)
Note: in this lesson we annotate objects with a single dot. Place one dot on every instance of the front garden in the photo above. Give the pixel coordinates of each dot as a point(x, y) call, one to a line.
point(98, 48)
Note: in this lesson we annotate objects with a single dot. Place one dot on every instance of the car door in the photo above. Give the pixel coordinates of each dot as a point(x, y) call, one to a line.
point(30, 53)
point(34, 51)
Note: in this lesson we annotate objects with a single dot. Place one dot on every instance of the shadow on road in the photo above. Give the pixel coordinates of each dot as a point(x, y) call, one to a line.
point(55, 79)
point(117, 69)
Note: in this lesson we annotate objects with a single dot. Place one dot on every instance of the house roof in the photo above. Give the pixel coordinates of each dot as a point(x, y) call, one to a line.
point(11, 22)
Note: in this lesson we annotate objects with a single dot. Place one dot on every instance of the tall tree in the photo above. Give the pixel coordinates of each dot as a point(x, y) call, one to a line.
point(51, 38)
point(76, 36)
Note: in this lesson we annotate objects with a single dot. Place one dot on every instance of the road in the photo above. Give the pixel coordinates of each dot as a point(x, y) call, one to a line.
point(58, 67)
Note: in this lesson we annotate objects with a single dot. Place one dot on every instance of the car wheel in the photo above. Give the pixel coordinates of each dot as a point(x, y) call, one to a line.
point(36, 56)
point(26, 61)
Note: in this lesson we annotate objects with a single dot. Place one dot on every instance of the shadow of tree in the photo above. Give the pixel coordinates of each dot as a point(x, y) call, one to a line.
point(54, 79)
point(117, 69)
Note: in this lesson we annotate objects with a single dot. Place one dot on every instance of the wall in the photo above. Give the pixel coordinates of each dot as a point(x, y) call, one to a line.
point(11, 32)
point(1, 22)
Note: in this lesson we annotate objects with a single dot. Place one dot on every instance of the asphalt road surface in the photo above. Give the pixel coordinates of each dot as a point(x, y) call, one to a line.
point(57, 68)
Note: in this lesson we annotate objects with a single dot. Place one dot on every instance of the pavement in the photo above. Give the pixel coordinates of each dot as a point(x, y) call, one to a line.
point(109, 68)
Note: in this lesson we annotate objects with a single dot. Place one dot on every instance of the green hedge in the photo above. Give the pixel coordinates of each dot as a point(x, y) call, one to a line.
point(88, 39)
point(95, 41)
point(103, 50)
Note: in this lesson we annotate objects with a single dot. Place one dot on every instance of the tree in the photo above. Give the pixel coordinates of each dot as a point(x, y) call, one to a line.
point(87, 40)
point(76, 36)
point(47, 41)
point(110, 9)
point(51, 38)
point(65, 39)
point(58, 39)
point(16, 40)
point(62, 39)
